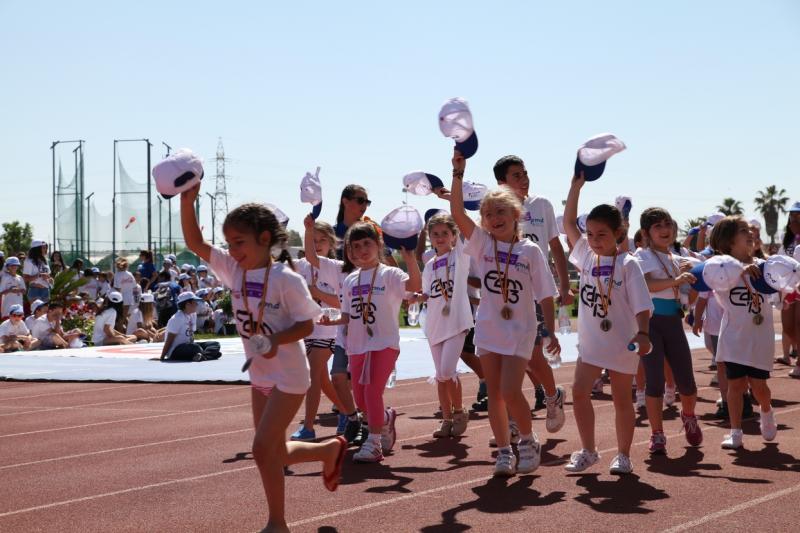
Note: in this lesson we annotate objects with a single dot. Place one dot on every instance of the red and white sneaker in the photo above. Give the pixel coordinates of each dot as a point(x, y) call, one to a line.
point(658, 443)
point(694, 435)
point(370, 452)
point(388, 433)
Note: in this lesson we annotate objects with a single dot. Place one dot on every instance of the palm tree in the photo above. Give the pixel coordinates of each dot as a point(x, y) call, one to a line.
point(771, 202)
point(692, 223)
point(730, 207)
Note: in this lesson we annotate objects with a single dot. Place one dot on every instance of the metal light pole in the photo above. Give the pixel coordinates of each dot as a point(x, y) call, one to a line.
point(78, 204)
point(213, 210)
point(169, 205)
point(53, 151)
point(89, 228)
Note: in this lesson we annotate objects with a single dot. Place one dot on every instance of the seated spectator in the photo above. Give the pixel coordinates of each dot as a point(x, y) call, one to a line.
point(104, 332)
point(204, 279)
point(179, 344)
point(38, 309)
point(136, 325)
point(92, 285)
point(203, 310)
point(48, 331)
point(103, 284)
point(14, 334)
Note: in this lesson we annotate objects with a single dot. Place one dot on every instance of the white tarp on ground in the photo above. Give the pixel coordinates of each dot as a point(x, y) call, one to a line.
point(140, 362)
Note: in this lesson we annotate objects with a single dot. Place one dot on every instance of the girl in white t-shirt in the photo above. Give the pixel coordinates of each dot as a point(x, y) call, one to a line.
point(371, 299)
point(12, 286)
point(324, 282)
point(124, 283)
point(515, 277)
point(104, 333)
point(274, 312)
point(449, 318)
point(747, 335)
point(614, 314)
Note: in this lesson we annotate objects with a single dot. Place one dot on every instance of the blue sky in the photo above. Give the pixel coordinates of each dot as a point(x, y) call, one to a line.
point(703, 93)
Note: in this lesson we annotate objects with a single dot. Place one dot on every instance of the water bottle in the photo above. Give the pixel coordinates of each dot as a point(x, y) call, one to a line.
point(413, 314)
point(392, 379)
point(423, 316)
point(564, 325)
point(554, 361)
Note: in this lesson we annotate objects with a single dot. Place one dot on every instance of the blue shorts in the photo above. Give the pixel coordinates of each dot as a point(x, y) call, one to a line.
point(340, 361)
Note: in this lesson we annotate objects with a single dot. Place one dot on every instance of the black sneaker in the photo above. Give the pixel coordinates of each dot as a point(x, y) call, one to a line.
point(362, 435)
point(722, 412)
point(539, 396)
point(481, 406)
point(352, 430)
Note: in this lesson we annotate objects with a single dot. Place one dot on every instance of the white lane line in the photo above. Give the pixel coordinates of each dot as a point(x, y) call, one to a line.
point(138, 418)
point(123, 401)
point(125, 448)
point(124, 491)
point(731, 510)
point(74, 391)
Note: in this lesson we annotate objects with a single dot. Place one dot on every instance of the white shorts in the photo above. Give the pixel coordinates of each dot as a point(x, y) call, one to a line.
point(483, 351)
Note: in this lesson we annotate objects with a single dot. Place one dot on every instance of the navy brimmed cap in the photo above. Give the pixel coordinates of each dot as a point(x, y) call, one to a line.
point(700, 284)
point(283, 219)
point(311, 192)
point(760, 283)
point(624, 204)
point(455, 121)
point(430, 213)
point(473, 193)
point(722, 272)
point(421, 183)
point(581, 222)
point(781, 272)
point(178, 172)
point(593, 154)
point(401, 228)
point(187, 296)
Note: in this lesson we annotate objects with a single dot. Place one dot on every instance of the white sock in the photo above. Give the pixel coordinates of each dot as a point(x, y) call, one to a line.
point(526, 438)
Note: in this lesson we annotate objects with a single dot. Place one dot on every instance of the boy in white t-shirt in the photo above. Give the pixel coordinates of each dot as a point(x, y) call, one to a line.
point(179, 342)
point(14, 334)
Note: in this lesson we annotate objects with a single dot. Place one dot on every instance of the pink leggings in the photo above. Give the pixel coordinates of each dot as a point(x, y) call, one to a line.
point(368, 388)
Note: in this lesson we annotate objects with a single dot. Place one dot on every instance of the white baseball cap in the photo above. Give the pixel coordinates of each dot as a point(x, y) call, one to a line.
point(421, 183)
point(782, 273)
point(722, 272)
point(283, 218)
point(311, 192)
point(473, 193)
point(560, 224)
point(202, 292)
point(115, 297)
point(12, 261)
point(186, 296)
point(795, 207)
point(401, 228)
point(147, 298)
point(184, 276)
point(582, 222)
point(36, 305)
point(593, 154)
point(37, 243)
point(712, 219)
point(178, 172)
point(455, 121)
point(16, 309)
point(172, 258)
point(754, 222)
point(624, 204)
point(202, 268)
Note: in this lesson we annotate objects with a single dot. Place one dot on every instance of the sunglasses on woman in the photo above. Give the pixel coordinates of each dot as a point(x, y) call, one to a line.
point(362, 200)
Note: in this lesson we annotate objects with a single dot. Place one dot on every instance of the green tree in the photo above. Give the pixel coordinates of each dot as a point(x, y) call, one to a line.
point(771, 202)
point(730, 207)
point(692, 223)
point(16, 237)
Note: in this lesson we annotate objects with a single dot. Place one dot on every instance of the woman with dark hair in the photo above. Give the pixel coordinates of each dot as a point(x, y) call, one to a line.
point(105, 332)
point(36, 272)
point(76, 268)
point(352, 205)
point(790, 314)
point(57, 264)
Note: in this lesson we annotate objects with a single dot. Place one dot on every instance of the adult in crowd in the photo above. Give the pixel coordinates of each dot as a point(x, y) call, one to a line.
point(36, 272)
point(147, 269)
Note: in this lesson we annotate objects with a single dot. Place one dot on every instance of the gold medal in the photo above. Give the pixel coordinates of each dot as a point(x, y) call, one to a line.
point(446, 310)
point(506, 312)
point(758, 319)
point(605, 324)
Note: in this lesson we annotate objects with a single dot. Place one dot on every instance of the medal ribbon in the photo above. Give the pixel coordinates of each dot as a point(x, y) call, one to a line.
point(675, 272)
point(504, 279)
point(364, 315)
point(265, 287)
point(605, 299)
point(447, 278)
point(752, 294)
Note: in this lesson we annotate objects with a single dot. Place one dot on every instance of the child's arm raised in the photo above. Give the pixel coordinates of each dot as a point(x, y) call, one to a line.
point(191, 230)
point(308, 242)
point(414, 282)
point(465, 224)
point(571, 210)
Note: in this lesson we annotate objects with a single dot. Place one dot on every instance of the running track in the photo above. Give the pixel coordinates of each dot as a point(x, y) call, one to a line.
point(154, 457)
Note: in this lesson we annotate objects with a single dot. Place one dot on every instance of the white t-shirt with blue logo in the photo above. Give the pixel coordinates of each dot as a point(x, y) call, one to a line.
point(538, 222)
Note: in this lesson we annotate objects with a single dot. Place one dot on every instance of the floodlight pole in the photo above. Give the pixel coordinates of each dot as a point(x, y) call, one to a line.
point(169, 205)
point(149, 198)
point(88, 228)
point(213, 210)
point(53, 151)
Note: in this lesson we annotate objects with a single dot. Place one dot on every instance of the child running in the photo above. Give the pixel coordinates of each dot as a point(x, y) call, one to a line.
point(274, 312)
point(514, 277)
point(371, 301)
point(665, 273)
point(449, 318)
point(614, 313)
point(747, 335)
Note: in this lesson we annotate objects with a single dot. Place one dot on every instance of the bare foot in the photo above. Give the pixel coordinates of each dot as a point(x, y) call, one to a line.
point(332, 448)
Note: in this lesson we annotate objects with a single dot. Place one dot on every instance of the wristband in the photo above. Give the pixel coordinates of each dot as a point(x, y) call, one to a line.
point(646, 334)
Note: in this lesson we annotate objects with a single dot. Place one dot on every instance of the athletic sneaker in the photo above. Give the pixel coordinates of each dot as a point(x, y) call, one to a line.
point(714, 380)
point(352, 429)
point(722, 411)
point(694, 435)
point(733, 441)
point(304, 434)
point(597, 386)
point(506, 464)
point(784, 360)
point(512, 426)
point(388, 433)
point(795, 373)
point(581, 460)
point(445, 430)
point(539, 396)
point(460, 421)
point(482, 400)
point(370, 452)
point(555, 411)
point(769, 428)
point(342, 425)
point(669, 396)
point(621, 464)
point(530, 455)
point(641, 401)
point(658, 443)
point(605, 376)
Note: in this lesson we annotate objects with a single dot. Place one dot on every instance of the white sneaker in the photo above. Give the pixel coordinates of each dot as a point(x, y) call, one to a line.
point(733, 441)
point(795, 373)
point(719, 401)
point(581, 460)
point(506, 464)
point(370, 452)
point(769, 428)
point(555, 411)
point(512, 426)
point(621, 464)
point(669, 396)
point(530, 455)
point(388, 433)
point(641, 402)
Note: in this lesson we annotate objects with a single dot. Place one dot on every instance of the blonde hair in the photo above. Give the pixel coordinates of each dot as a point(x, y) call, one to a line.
point(502, 197)
point(122, 264)
point(443, 218)
point(326, 230)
